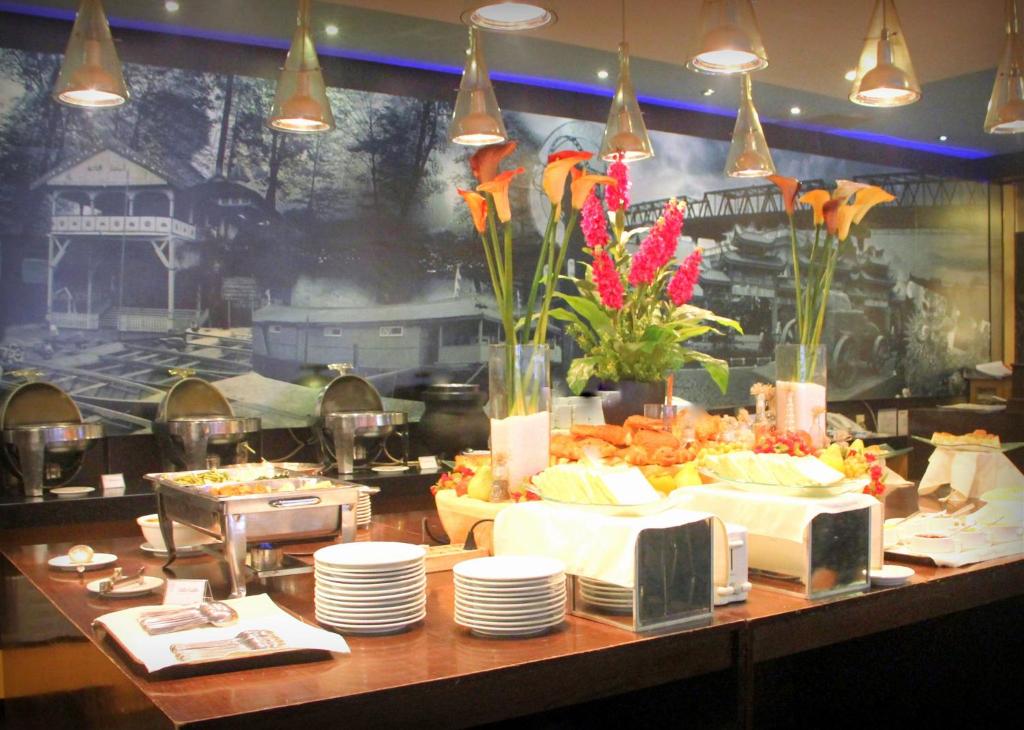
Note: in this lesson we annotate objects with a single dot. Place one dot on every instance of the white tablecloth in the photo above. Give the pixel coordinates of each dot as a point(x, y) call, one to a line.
point(591, 544)
point(971, 473)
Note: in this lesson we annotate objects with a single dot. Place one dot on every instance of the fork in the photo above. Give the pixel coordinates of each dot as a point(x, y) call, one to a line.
point(253, 640)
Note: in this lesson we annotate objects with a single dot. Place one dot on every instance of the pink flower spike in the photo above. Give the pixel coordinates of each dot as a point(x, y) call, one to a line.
point(658, 246)
point(617, 195)
point(594, 223)
point(608, 281)
point(680, 289)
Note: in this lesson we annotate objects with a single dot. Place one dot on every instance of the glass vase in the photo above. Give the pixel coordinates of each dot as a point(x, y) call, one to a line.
point(519, 379)
point(801, 387)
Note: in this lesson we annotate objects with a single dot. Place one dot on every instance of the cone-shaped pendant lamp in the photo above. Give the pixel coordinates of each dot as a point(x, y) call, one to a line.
point(300, 103)
point(91, 74)
point(477, 119)
point(625, 133)
point(729, 40)
point(1006, 105)
point(885, 75)
point(749, 155)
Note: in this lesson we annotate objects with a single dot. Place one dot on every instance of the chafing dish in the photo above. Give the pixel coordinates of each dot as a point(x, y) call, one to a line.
point(285, 510)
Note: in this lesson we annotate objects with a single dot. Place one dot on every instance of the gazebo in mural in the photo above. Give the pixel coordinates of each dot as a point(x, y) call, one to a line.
point(120, 227)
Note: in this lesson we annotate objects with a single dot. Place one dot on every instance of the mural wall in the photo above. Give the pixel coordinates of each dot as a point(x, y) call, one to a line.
point(178, 231)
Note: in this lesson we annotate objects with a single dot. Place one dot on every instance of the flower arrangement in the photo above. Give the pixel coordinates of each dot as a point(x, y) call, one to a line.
point(492, 217)
point(632, 316)
point(834, 214)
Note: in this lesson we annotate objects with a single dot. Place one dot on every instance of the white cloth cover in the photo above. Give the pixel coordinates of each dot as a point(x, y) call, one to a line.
point(971, 473)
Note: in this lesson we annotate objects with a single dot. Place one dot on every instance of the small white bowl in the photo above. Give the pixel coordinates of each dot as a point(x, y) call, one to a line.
point(183, 536)
point(933, 541)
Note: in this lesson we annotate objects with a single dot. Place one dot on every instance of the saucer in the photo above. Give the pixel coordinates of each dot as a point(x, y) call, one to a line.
point(148, 585)
point(99, 560)
point(67, 492)
point(891, 575)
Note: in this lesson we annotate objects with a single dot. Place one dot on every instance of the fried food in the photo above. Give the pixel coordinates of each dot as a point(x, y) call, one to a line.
point(564, 446)
point(614, 435)
point(637, 423)
point(655, 439)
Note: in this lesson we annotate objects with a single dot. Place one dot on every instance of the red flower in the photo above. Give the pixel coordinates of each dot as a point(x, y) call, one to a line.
point(608, 281)
point(680, 289)
point(594, 223)
point(659, 246)
point(617, 195)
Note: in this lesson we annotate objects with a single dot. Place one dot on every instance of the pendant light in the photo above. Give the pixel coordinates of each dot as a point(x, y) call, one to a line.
point(91, 74)
point(885, 75)
point(477, 119)
point(730, 40)
point(508, 16)
point(625, 134)
point(749, 155)
point(1006, 105)
point(300, 103)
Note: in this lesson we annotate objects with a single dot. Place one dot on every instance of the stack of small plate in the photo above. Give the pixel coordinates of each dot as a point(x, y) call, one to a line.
point(364, 510)
point(370, 587)
point(509, 596)
point(606, 597)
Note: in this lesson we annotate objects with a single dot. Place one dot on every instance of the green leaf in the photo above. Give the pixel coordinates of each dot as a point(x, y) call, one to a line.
point(590, 311)
point(580, 371)
point(717, 369)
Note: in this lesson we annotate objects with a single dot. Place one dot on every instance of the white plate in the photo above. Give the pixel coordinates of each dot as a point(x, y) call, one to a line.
point(370, 573)
point(63, 562)
point(891, 575)
point(525, 586)
point(390, 468)
point(509, 616)
point(148, 585)
point(381, 590)
point(66, 492)
point(510, 634)
point(370, 582)
point(371, 631)
point(505, 627)
point(505, 568)
point(370, 601)
point(147, 547)
point(509, 601)
point(375, 625)
point(384, 614)
point(370, 555)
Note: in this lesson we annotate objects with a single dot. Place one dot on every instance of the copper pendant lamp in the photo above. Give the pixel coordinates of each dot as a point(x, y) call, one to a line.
point(885, 76)
point(625, 134)
point(300, 102)
point(91, 74)
point(749, 155)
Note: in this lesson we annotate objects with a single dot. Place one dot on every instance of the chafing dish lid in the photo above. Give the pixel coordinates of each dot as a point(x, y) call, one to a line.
point(193, 398)
point(38, 404)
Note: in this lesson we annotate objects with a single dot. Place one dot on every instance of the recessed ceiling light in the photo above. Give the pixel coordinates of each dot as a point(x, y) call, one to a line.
point(602, 74)
point(707, 92)
point(171, 6)
point(795, 111)
point(943, 138)
point(331, 29)
point(509, 15)
point(850, 75)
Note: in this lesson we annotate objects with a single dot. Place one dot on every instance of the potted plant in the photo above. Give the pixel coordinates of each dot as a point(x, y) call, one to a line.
point(632, 315)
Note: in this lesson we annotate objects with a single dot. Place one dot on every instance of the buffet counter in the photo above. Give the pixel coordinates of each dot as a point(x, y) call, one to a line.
point(57, 672)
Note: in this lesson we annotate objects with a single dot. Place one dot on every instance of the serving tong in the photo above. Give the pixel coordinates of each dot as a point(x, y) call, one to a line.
point(118, 579)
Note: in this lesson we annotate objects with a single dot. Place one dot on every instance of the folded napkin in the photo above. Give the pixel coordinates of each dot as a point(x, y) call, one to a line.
point(971, 473)
point(254, 612)
point(591, 544)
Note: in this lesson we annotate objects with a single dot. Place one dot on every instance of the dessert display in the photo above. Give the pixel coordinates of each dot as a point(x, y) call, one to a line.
point(978, 437)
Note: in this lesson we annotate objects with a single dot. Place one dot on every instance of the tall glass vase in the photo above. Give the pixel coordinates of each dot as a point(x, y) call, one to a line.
point(520, 397)
point(801, 387)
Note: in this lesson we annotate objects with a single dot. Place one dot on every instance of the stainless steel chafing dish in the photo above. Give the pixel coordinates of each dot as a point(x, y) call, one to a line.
point(290, 509)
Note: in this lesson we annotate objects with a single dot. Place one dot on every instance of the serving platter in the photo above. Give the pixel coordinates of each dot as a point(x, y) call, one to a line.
point(829, 490)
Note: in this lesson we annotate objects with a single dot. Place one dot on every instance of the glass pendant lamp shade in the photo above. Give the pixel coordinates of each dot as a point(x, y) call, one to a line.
point(885, 75)
point(477, 119)
point(1006, 105)
point(300, 102)
point(91, 74)
point(749, 155)
point(625, 134)
point(508, 16)
point(729, 40)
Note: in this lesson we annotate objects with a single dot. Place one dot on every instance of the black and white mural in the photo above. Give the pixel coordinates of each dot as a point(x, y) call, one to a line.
point(178, 231)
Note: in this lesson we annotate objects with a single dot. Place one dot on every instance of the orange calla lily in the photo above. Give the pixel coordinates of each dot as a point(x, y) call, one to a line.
point(477, 208)
point(484, 162)
point(498, 188)
point(816, 199)
point(559, 165)
point(868, 198)
point(788, 187)
point(846, 188)
point(582, 186)
point(830, 214)
point(844, 218)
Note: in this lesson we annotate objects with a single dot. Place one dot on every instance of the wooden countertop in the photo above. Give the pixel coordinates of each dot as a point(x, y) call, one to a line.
point(438, 673)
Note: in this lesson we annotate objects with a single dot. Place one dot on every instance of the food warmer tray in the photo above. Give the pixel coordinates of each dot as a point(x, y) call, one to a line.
point(290, 510)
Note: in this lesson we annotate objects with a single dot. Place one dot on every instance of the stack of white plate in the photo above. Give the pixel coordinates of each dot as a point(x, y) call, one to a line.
point(606, 597)
point(364, 510)
point(509, 595)
point(370, 587)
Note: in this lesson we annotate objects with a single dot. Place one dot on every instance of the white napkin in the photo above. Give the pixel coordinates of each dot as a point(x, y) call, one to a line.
point(254, 612)
point(591, 544)
point(971, 473)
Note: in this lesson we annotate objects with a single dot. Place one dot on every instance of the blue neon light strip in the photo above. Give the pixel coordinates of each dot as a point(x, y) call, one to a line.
point(967, 153)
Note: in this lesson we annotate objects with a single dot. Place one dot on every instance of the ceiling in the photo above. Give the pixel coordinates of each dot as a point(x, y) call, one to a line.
point(810, 45)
